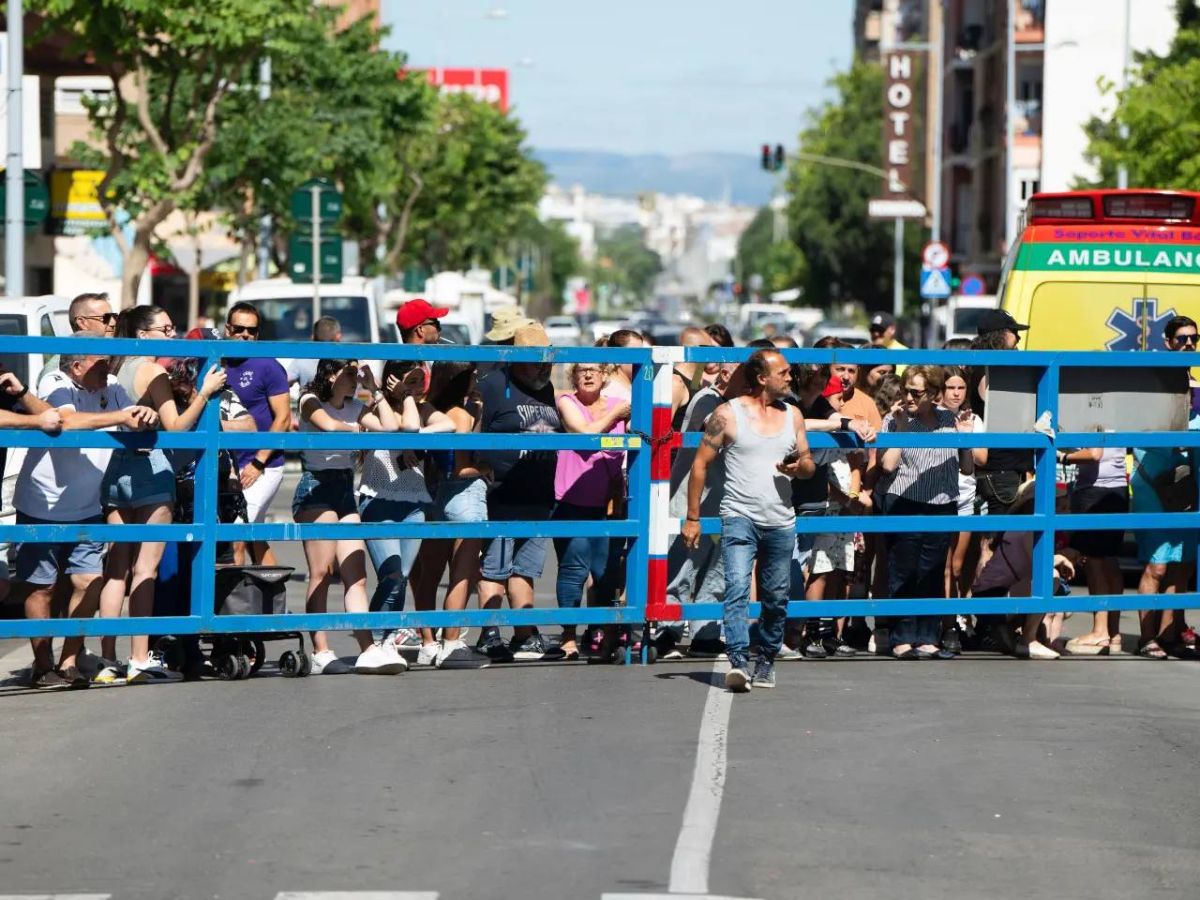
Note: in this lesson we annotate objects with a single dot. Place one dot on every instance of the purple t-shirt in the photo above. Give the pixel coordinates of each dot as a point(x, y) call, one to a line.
point(255, 381)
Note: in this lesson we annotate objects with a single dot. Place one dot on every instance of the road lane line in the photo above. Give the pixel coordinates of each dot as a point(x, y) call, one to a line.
point(693, 849)
point(355, 895)
point(668, 897)
point(52, 896)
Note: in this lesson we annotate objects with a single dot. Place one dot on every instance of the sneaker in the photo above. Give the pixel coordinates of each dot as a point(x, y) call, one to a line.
point(815, 650)
point(492, 646)
point(764, 674)
point(50, 680)
point(1035, 650)
point(152, 671)
point(533, 648)
point(738, 680)
point(327, 663)
point(406, 638)
point(90, 664)
point(380, 659)
point(428, 654)
point(113, 673)
point(839, 649)
point(457, 655)
point(786, 652)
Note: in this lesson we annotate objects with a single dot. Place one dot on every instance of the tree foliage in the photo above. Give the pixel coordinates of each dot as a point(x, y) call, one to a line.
point(1160, 112)
point(780, 263)
point(848, 256)
point(626, 264)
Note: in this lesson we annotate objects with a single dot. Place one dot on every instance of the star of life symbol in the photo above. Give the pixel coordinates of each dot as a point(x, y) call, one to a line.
point(1129, 326)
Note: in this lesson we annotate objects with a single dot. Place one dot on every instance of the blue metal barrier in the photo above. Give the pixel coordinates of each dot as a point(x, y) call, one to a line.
point(200, 536)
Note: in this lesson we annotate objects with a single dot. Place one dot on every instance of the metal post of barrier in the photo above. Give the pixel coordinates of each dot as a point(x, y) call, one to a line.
point(662, 527)
point(639, 503)
point(1045, 487)
point(204, 515)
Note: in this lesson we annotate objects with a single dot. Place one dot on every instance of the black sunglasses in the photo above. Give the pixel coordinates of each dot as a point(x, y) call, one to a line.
point(109, 318)
point(1185, 338)
point(915, 392)
point(251, 330)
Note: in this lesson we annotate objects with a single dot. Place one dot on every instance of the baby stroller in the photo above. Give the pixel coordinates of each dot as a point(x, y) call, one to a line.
point(240, 590)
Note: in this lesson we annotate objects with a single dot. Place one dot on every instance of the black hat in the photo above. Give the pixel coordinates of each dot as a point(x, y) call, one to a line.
point(882, 321)
point(998, 320)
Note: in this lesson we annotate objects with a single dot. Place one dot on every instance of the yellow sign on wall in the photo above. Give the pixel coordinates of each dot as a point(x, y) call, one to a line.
point(75, 199)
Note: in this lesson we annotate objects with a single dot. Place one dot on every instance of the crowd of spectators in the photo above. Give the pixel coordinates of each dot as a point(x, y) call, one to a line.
point(753, 469)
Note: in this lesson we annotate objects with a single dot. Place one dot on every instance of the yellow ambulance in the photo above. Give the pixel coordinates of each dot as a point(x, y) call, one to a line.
point(1105, 269)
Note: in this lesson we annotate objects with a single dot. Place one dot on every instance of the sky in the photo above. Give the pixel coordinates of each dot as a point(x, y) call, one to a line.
point(640, 76)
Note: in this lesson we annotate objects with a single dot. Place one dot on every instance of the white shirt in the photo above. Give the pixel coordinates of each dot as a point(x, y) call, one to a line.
point(63, 485)
point(316, 460)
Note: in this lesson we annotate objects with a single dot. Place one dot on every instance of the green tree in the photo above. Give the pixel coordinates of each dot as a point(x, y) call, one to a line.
point(171, 65)
point(555, 258)
point(466, 184)
point(1160, 112)
point(780, 263)
point(848, 255)
point(626, 264)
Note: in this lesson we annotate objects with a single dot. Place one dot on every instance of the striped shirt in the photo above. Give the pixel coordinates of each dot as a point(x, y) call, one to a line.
point(926, 474)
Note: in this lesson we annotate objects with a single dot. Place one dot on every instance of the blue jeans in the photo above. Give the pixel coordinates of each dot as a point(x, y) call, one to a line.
point(743, 542)
point(393, 558)
point(578, 557)
point(917, 570)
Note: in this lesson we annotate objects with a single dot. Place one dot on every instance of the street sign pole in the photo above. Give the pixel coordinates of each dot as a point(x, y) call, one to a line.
point(316, 244)
point(898, 270)
point(14, 208)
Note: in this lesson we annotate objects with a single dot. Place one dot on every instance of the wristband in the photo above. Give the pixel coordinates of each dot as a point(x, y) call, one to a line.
point(693, 519)
point(845, 424)
point(258, 464)
point(24, 390)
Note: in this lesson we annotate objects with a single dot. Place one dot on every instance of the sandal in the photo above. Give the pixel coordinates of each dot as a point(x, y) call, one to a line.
point(1078, 647)
point(1151, 650)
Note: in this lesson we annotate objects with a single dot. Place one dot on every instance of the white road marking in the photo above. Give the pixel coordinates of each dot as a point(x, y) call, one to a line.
point(693, 849)
point(355, 895)
point(668, 897)
point(51, 896)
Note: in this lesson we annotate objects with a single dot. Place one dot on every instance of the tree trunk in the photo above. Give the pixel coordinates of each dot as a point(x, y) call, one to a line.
point(133, 266)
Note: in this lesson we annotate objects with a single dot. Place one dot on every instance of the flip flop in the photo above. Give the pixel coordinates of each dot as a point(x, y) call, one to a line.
point(1151, 650)
point(1077, 648)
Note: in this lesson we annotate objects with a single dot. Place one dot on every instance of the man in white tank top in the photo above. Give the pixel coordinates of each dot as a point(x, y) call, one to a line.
point(764, 446)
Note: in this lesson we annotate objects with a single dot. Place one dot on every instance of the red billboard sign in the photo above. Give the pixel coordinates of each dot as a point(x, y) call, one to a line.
point(488, 85)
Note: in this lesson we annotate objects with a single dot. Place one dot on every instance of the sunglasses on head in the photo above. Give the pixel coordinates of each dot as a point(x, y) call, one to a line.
point(251, 330)
point(1185, 338)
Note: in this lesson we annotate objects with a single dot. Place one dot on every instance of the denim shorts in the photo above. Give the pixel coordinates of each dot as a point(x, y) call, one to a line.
point(41, 564)
point(505, 557)
point(325, 489)
point(135, 479)
point(460, 500)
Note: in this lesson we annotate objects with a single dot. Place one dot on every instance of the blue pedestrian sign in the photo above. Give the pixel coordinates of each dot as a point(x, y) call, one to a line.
point(935, 283)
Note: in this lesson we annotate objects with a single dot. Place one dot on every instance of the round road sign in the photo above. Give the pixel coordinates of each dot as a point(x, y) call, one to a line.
point(936, 255)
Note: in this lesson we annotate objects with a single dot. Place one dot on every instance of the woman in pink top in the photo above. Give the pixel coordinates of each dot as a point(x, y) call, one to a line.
point(584, 482)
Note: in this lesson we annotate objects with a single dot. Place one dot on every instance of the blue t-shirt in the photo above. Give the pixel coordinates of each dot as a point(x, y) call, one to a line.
point(256, 381)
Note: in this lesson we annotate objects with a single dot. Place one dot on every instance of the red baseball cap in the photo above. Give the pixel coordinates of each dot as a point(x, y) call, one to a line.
point(833, 387)
point(414, 312)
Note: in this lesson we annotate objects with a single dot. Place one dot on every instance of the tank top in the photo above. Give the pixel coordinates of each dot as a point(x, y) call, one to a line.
point(317, 460)
point(585, 477)
point(754, 488)
point(677, 419)
point(385, 476)
point(127, 375)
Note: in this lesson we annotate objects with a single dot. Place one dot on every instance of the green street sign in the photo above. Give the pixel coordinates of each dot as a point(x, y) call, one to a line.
point(37, 199)
point(329, 202)
point(300, 258)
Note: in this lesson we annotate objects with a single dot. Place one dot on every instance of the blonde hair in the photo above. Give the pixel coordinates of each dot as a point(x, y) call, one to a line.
point(605, 372)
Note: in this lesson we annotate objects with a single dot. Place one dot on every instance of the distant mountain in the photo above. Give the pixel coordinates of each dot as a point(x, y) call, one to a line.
point(712, 176)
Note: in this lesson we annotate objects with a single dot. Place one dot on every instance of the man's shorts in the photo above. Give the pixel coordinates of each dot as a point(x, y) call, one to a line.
point(260, 494)
point(41, 564)
point(505, 557)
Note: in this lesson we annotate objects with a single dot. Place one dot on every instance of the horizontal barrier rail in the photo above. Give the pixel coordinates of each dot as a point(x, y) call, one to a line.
point(648, 525)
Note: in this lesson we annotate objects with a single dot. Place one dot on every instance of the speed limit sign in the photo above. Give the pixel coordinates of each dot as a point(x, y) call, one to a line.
point(936, 255)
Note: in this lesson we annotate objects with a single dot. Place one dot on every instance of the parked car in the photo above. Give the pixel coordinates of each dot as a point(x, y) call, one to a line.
point(563, 331)
point(849, 334)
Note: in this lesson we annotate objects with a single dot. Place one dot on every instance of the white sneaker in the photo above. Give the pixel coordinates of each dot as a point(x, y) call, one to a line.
point(428, 654)
point(152, 671)
point(1036, 650)
point(380, 659)
point(327, 663)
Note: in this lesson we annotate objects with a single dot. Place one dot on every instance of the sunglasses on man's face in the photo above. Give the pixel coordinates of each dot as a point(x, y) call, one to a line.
point(109, 318)
point(251, 330)
point(1182, 339)
point(915, 393)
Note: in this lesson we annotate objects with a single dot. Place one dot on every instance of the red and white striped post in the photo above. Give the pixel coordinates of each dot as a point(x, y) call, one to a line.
point(662, 527)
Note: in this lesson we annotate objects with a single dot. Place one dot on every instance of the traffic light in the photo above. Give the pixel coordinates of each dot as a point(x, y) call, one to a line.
point(766, 157)
point(778, 157)
point(772, 161)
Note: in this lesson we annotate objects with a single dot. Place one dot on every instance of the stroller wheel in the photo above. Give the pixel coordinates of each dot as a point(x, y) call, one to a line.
point(226, 666)
point(259, 656)
point(290, 664)
point(305, 664)
point(243, 667)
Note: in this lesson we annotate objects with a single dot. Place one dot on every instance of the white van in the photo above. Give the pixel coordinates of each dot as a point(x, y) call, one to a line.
point(289, 310)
